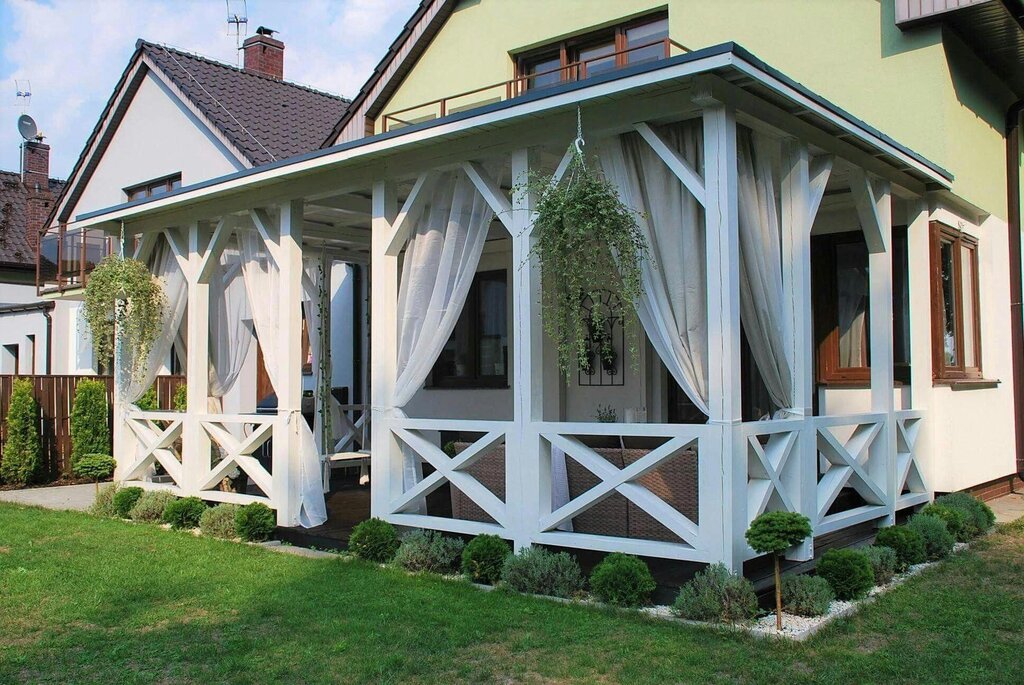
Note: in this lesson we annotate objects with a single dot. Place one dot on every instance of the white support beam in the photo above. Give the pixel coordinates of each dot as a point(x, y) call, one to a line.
point(179, 246)
point(820, 171)
point(686, 174)
point(411, 209)
point(211, 256)
point(195, 441)
point(144, 248)
point(268, 230)
point(491, 191)
point(871, 198)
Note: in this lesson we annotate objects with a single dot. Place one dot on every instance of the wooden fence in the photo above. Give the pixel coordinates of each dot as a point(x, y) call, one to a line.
point(55, 395)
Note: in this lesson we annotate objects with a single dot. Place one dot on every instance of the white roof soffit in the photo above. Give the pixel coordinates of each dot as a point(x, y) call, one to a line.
point(724, 60)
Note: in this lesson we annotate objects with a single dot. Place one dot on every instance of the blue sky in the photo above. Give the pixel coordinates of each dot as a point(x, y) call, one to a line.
point(74, 51)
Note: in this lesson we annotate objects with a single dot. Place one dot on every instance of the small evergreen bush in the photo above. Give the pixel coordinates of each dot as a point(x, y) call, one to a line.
point(774, 532)
point(95, 467)
point(184, 512)
point(21, 462)
point(374, 540)
point(980, 517)
point(883, 563)
point(125, 499)
point(181, 398)
point(90, 420)
point(104, 503)
point(906, 542)
point(848, 571)
point(150, 507)
point(806, 595)
point(955, 520)
point(714, 594)
point(255, 522)
point(429, 550)
point(540, 572)
point(483, 558)
point(938, 543)
point(623, 580)
point(219, 521)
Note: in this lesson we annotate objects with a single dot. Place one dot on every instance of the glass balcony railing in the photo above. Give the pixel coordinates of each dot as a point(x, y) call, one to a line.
point(65, 258)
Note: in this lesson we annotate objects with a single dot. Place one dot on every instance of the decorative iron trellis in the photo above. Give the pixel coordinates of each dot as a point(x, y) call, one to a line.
point(602, 364)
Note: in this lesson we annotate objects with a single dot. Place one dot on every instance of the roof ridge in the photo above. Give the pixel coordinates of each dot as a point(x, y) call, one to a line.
point(142, 42)
point(18, 173)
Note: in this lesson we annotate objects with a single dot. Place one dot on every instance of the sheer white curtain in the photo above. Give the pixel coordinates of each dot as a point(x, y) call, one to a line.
point(441, 258)
point(230, 322)
point(673, 307)
point(164, 266)
point(312, 295)
point(761, 290)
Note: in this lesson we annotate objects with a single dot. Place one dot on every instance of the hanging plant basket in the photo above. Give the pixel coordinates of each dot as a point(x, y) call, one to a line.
point(587, 241)
point(124, 301)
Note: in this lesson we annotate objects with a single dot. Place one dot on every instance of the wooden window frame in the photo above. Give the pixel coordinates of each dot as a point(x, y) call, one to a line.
point(943, 373)
point(166, 182)
point(478, 381)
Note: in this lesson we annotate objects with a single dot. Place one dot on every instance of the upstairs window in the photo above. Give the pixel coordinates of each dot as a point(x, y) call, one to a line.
point(956, 326)
point(476, 355)
point(598, 52)
point(153, 188)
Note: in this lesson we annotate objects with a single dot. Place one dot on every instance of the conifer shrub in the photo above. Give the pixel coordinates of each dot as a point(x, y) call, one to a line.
point(255, 522)
point(955, 519)
point(483, 558)
point(883, 563)
point(21, 462)
point(104, 502)
point(980, 517)
point(374, 540)
point(848, 571)
point(906, 542)
point(184, 512)
point(623, 580)
point(148, 401)
point(125, 499)
point(95, 467)
point(715, 594)
point(806, 595)
point(938, 543)
point(180, 400)
point(539, 572)
point(219, 521)
point(429, 550)
point(150, 507)
point(90, 420)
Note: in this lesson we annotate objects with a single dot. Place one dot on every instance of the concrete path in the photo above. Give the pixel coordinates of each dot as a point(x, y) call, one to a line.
point(75, 497)
point(1008, 507)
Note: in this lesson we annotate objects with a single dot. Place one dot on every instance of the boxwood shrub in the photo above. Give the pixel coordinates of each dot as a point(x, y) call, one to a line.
point(219, 521)
point(429, 550)
point(938, 543)
point(150, 507)
point(374, 540)
point(980, 517)
point(255, 522)
point(184, 512)
point(906, 542)
point(806, 595)
point(883, 563)
point(714, 594)
point(483, 558)
point(125, 499)
point(623, 580)
point(537, 571)
point(848, 571)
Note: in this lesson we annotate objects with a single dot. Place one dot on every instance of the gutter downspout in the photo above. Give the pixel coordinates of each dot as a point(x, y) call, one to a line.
point(1013, 197)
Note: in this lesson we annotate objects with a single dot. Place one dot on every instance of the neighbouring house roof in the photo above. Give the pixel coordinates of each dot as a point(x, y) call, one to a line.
point(262, 119)
point(15, 249)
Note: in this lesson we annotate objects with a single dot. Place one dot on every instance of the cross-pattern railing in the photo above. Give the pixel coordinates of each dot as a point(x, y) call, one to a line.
point(912, 489)
point(772, 465)
point(158, 437)
point(239, 442)
point(851, 455)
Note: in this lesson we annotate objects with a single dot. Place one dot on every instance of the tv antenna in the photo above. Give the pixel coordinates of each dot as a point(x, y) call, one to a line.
point(23, 92)
point(238, 17)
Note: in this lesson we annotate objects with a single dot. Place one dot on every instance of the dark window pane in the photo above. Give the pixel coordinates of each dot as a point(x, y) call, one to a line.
point(967, 270)
point(476, 355)
point(493, 328)
point(852, 305)
point(643, 35)
point(596, 61)
point(540, 66)
point(950, 352)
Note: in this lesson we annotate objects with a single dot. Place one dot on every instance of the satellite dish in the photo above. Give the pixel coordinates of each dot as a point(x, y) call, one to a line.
point(27, 127)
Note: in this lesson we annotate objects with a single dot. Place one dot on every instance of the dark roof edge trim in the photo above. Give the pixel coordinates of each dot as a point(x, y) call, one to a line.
point(28, 307)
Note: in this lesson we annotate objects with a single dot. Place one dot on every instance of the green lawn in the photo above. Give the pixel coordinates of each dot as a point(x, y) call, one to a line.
point(87, 600)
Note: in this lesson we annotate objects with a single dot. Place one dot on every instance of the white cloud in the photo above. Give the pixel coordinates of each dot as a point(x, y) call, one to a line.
point(75, 50)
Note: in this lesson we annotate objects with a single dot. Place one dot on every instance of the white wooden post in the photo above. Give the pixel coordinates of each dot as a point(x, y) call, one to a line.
point(195, 455)
point(723, 508)
point(287, 460)
point(800, 478)
point(386, 476)
point(528, 467)
point(919, 285)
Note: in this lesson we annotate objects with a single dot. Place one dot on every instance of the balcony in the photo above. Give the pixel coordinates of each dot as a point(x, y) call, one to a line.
point(506, 90)
point(65, 259)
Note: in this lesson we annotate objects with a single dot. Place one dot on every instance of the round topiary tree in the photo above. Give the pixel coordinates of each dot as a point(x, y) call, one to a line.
point(21, 462)
point(95, 467)
point(623, 580)
point(90, 420)
point(774, 532)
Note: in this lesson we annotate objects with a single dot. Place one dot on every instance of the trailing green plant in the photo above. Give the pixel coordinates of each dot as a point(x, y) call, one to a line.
point(255, 522)
point(219, 521)
point(715, 594)
point(906, 542)
point(883, 562)
point(124, 290)
point(537, 571)
point(21, 462)
point(180, 400)
point(125, 499)
point(95, 467)
point(483, 558)
point(150, 507)
point(103, 505)
point(429, 550)
point(374, 540)
point(955, 519)
point(806, 595)
point(148, 401)
point(90, 420)
point(848, 571)
point(184, 512)
point(938, 542)
point(588, 243)
point(980, 517)
point(623, 580)
point(774, 532)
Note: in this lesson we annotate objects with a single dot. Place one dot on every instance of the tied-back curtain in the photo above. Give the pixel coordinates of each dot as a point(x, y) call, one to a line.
point(673, 306)
point(230, 322)
point(761, 289)
point(164, 266)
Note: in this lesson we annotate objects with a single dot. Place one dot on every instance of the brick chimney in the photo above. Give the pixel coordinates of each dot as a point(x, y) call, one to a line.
point(264, 54)
point(35, 176)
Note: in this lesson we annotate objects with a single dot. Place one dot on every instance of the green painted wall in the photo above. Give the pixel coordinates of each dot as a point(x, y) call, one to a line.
point(927, 92)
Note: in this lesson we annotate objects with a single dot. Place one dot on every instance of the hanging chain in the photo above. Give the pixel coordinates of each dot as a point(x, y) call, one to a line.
point(579, 142)
point(122, 239)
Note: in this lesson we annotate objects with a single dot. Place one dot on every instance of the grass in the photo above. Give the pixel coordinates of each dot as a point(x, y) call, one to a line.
point(87, 600)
